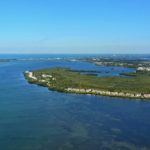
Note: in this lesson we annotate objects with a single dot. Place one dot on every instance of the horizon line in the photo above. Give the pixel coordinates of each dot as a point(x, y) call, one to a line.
point(74, 53)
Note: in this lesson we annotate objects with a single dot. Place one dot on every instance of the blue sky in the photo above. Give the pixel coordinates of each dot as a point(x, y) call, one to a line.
point(75, 26)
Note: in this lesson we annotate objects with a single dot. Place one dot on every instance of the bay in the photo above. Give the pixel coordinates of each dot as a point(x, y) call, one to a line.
point(34, 118)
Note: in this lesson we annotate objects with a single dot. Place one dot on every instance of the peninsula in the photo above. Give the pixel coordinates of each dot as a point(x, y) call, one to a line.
point(131, 85)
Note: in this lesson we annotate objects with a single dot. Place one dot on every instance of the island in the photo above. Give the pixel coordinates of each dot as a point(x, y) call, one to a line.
point(130, 85)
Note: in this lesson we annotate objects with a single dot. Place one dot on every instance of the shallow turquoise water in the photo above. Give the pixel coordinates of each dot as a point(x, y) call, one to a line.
point(34, 118)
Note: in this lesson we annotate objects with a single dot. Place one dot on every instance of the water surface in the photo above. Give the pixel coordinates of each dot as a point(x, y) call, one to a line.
point(34, 118)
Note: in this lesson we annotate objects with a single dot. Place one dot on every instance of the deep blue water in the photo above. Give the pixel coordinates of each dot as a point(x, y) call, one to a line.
point(34, 118)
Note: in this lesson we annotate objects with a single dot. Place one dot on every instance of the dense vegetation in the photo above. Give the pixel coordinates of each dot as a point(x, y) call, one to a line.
point(138, 82)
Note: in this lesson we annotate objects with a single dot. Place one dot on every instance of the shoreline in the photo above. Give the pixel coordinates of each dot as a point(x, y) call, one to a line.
point(107, 93)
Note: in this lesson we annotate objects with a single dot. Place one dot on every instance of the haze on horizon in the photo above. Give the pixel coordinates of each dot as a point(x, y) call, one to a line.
point(75, 26)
